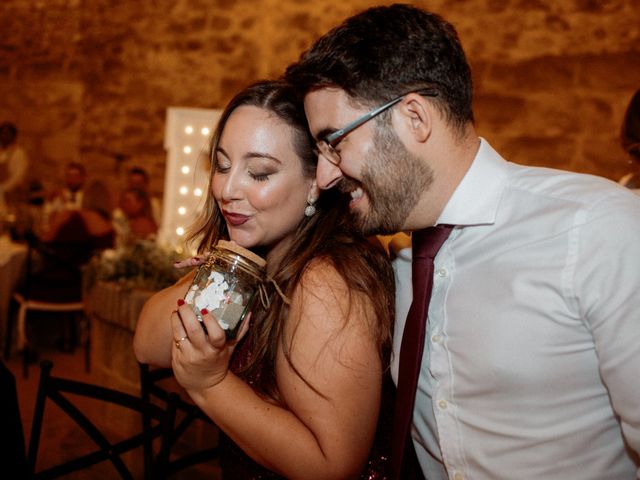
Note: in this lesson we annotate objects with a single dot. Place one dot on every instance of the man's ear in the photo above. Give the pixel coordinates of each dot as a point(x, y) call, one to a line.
point(417, 115)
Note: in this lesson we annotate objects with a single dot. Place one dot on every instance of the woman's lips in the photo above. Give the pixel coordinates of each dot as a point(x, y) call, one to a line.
point(235, 219)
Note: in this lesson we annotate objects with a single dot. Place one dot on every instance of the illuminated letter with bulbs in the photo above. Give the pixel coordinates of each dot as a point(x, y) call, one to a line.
point(187, 135)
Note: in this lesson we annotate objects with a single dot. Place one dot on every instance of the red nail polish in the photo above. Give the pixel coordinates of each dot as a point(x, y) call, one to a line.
point(204, 311)
point(180, 302)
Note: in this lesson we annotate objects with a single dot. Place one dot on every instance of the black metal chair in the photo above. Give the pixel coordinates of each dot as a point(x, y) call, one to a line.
point(53, 285)
point(65, 393)
point(187, 413)
point(13, 457)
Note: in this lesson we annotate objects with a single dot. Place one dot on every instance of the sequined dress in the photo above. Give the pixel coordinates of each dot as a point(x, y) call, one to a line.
point(236, 465)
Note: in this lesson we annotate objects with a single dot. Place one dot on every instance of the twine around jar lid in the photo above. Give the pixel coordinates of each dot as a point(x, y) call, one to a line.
point(235, 248)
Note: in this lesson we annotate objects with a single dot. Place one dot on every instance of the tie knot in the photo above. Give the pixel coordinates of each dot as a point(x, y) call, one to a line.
point(427, 242)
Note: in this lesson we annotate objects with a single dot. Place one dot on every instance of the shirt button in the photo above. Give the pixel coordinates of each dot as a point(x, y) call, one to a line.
point(442, 272)
point(442, 404)
point(458, 476)
point(436, 338)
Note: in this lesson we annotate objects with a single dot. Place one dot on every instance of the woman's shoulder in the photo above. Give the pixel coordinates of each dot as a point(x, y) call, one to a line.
point(338, 276)
point(631, 180)
point(321, 271)
point(96, 223)
point(143, 226)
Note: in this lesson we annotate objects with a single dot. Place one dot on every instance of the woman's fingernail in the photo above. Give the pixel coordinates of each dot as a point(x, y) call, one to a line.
point(204, 311)
point(180, 302)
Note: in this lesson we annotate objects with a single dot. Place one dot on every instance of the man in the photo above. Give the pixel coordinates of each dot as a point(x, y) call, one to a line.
point(70, 196)
point(532, 355)
point(13, 166)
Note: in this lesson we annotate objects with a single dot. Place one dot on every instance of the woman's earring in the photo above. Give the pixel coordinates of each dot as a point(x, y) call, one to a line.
point(310, 210)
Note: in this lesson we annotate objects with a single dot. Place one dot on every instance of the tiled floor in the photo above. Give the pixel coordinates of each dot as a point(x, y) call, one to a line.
point(61, 439)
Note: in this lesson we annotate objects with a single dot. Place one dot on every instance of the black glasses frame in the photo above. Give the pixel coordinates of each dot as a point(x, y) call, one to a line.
point(326, 145)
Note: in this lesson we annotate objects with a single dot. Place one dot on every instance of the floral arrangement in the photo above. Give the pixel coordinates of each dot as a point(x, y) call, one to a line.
point(143, 264)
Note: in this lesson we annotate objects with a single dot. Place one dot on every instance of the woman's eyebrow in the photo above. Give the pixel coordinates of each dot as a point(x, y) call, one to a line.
point(250, 155)
point(262, 155)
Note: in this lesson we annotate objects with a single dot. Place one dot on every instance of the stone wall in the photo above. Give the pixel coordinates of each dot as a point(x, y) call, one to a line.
point(90, 80)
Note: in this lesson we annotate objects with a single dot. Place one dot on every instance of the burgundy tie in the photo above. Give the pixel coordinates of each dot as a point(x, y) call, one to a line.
point(425, 245)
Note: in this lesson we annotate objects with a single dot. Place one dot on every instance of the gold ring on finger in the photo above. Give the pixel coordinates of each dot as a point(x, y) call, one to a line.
point(179, 341)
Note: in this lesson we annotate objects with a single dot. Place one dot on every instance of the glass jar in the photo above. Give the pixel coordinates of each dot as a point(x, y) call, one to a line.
point(227, 285)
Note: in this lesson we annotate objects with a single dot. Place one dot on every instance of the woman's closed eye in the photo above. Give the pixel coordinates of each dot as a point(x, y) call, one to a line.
point(260, 176)
point(258, 166)
point(222, 165)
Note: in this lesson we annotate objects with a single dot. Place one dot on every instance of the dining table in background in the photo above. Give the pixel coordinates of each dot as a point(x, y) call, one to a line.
point(12, 264)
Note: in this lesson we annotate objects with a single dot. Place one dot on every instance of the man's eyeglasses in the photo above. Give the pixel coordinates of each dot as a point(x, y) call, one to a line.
point(327, 145)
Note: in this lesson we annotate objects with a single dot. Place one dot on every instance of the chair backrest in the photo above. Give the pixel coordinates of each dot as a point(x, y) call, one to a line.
point(54, 270)
point(13, 457)
point(187, 413)
point(57, 264)
point(65, 394)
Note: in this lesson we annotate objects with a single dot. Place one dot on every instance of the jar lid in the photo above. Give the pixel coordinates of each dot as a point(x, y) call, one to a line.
point(235, 248)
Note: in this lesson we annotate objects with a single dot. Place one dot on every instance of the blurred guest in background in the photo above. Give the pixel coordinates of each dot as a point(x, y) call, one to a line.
point(138, 178)
point(67, 243)
point(630, 140)
point(32, 213)
point(90, 224)
point(70, 196)
point(137, 223)
point(13, 166)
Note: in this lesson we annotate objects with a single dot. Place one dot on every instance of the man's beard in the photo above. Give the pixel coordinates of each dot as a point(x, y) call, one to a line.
point(394, 180)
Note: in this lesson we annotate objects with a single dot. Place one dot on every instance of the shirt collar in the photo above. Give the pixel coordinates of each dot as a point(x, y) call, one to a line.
point(476, 199)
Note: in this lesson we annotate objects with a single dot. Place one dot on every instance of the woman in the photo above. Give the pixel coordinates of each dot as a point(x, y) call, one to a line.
point(630, 140)
point(302, 395)
point(135, 222)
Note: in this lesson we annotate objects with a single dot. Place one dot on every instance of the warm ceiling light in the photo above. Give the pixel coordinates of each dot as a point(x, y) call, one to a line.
point(205, 131)
point(180, 231)
point(185, 169)
point(182, 210)
point(197, 192)
point(184, 190)
point(187, 149)
point(188, 129)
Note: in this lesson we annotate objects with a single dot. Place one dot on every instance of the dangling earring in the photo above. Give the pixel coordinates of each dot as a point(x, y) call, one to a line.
point(310, 210)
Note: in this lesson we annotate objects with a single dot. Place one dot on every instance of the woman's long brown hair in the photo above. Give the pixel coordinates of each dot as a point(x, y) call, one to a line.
point(329, 234)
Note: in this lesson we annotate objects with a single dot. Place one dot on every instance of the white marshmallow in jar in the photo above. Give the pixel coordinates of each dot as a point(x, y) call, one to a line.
point(227, 285)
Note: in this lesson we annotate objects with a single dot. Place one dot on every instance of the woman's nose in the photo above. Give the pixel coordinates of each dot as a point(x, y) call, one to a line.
point(230, 187)
point(327, 173)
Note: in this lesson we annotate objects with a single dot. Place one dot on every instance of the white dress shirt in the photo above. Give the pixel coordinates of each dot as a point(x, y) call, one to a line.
point(531, 366)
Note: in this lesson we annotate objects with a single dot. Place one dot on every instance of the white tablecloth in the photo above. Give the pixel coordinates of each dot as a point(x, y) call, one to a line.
point(12, 261)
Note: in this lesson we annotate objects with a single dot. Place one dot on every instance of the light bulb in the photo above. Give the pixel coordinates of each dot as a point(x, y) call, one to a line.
point(185, 169)
point(187, 149)
point(197, 192)
point(180, 231)
point(205, 131)
point(182, 210)
point(184, 190)
point(188, 129)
